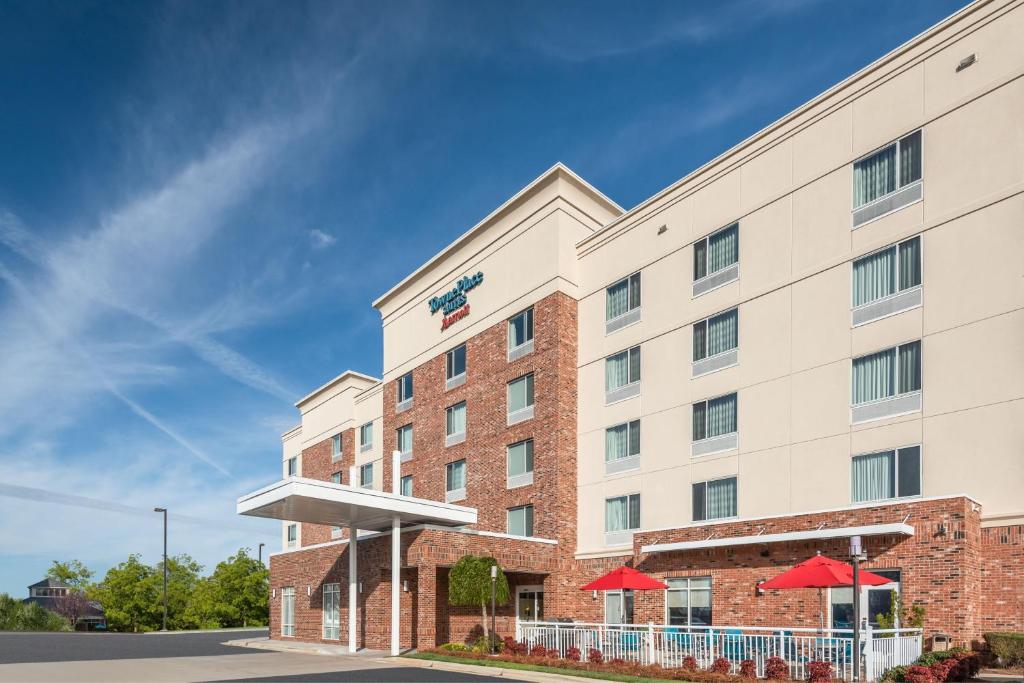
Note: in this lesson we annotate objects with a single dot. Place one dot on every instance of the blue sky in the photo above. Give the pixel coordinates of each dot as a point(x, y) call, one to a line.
point(199, 201)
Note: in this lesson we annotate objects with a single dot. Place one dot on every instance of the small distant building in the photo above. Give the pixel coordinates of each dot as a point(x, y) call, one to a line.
point(49, 592)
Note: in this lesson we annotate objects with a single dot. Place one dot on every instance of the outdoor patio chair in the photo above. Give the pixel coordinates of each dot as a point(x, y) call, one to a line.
point(733, 647)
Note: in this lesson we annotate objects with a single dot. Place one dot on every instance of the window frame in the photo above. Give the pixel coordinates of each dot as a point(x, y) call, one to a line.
point(689, 590)
point(406, 454)
point(706, 239)
point(736, 498)
point(528, 520)
point(291, 540)
point(454, 494)
point(451, 379)
point(706, 402)
point(632, 280)
point(292, 466)
point(629, 512)
point(288, 627)
point(401, 485)
point(335, 590)
point(899, 185)
point(896, 373)
point(629, 366)
point(629, 432)
point(363, 469)
point(705, 322)
point(337, 443)
point(529, 381)
point(896, 470)
point(336, 477)
point(364, 443)
point(404, 389)
point(452, 438)
point(521, 348)
point(895, 245)
point(524, 478)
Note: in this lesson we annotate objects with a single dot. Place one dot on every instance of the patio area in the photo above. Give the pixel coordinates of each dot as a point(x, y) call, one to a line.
point(669, 646)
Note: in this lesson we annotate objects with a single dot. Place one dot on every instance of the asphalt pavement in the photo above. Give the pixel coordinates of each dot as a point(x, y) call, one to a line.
point(18, 648)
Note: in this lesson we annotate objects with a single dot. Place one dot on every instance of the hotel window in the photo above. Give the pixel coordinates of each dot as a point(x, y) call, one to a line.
point(404, 441)
point(520, 521)
point(406, 485)
point(887, 281)
point(714, 425)
point(520, 464)
point(622, 303)
point(455, 481)
point(887, 373)
point(621, 518)
point(883, 172)
point(288, 611)
point(520, 334)
point(403, 387)
point(455, 424)
point(455, 367)
point(366, 475)
point(715, 499)
point(520, 399)
point(715, 342)
point(335, 532)
point(622, 375)
point(688, 601)
point(292, 535)
point(293, 466)
point(716, 259)
point(332, 611)
point(336, 447)
point(336, 478)
point(622, 447)
point(887, 475)
point(366, 437)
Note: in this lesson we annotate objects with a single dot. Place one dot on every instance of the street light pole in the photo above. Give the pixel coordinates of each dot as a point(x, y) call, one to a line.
point(260, 551)
point(856, 552)
point(494, 586)
point(164, 511)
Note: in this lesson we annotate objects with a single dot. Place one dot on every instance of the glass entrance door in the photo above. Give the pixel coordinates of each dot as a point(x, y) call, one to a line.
point(530, 603)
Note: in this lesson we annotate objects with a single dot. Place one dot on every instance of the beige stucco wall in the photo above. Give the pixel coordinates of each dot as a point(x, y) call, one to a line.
point(790, 187)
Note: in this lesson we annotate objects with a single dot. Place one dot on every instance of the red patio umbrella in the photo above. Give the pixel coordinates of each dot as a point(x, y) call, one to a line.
point(624, 578)
point(821, 572)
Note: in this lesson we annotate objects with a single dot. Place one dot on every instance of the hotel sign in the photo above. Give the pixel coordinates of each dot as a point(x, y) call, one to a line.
point(453, 303)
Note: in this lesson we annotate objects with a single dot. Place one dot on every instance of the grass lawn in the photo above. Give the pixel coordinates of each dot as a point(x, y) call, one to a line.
point(497, 663)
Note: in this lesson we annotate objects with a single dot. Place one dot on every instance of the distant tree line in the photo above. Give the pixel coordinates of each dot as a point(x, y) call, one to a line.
point(234, 594)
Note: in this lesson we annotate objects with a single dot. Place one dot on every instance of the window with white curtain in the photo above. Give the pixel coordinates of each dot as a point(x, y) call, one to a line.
point(292, 535)
point(715, 335)
point(366, 435)
point(714, 417)
point(622, 297)
point(520, 329)
point(887, 475)
point(622, 369)
point(688, 601)
point(622, 513)
point(404, 387)
point(288, 611)
point(404, 439)
point(455, 362)
point(520, 393)
point(366, 475)
point(455, 476)
point(715, 499)
point(622, 441)
point(520, 458)
point(887, 272)
point(455, 420)
point(716, 252)
point(406, 485)
point(883, 172)
point(520, 521)
point(888, 373)
point(336, 447)
point(332, 611)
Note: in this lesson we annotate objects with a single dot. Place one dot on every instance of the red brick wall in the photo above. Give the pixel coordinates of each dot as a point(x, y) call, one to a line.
point(318, 464)
point(1001, 598)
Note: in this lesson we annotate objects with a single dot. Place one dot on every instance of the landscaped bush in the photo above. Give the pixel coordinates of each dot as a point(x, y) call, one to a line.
point(776, 669)
point(595, 656)
point(956, 664)
point(1008, 647)
point(919, 674)
point(689, 663)
point(538, 651)
point(819, 672)
point(573, 653)
point(513, 646)
point(455, 647)
point(748, 669)
point(553, 653)
point(721, 666)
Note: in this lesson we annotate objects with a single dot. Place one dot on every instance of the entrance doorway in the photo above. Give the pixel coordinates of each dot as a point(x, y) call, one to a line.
point(530, 603)
point(874, 601)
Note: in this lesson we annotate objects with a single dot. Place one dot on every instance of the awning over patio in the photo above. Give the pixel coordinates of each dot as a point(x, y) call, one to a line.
point(297, 499)
point(898, 528)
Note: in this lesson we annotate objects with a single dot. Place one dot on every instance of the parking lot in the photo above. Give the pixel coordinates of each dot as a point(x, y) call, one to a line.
point(192, 657)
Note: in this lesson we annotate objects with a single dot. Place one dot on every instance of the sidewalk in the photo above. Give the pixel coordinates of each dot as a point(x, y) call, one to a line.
point(265, 643)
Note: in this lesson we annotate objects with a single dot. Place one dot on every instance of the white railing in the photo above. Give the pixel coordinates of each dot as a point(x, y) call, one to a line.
point(669, 646)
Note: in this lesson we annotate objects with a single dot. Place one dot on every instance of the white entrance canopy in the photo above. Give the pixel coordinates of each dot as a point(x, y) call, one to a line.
point(297, 499)
point(899, 529)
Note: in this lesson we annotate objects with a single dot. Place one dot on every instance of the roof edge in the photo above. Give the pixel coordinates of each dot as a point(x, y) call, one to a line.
point(557, 170)
point(322, 388)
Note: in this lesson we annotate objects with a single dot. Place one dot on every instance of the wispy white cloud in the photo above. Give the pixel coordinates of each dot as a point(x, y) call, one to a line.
point(320, 239)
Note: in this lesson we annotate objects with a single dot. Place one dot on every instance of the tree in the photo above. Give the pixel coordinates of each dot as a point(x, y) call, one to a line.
point(72, 607)
point(242, 585)
point(129, 596)
point(73, 574)
point(469, 585)
point(182, 577)
point(16, 615)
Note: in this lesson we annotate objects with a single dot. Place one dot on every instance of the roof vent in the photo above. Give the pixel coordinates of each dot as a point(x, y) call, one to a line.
point(966, 62)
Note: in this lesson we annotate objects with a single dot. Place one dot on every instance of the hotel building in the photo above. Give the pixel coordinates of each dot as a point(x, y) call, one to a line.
point(817, 335)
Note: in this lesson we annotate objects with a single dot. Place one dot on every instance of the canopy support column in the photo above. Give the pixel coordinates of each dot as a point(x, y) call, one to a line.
point(396, 558)
point(353, 588)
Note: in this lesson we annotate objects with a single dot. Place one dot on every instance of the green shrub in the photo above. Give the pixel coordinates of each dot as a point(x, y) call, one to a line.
point(896, 674)
point(456, 647)
point(1008, 647)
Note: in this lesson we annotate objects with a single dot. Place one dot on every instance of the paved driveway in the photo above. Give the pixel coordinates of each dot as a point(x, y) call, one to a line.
point(192, 658)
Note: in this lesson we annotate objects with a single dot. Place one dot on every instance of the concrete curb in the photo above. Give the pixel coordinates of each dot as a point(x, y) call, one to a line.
point(497, 672)
point(212, 630)
point(266, 643)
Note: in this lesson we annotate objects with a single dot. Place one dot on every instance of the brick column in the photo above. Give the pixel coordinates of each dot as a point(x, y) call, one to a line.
point(426, 607)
